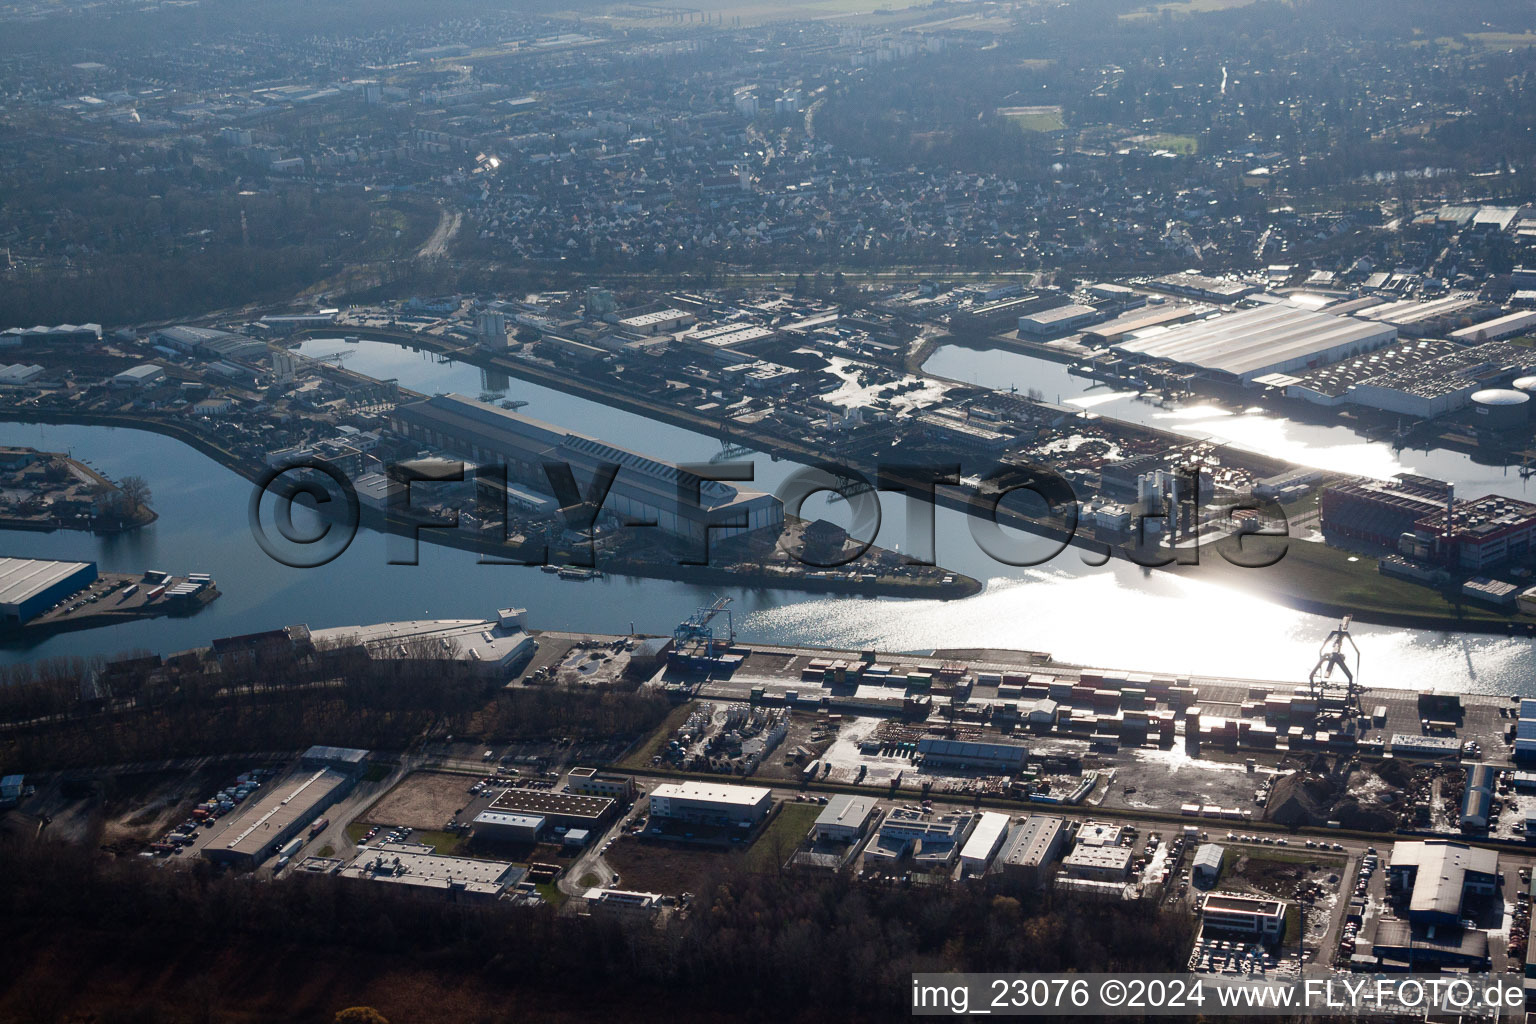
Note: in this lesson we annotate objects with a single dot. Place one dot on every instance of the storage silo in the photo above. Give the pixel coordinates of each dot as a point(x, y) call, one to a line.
point(1526, 384)
point(1500, 408)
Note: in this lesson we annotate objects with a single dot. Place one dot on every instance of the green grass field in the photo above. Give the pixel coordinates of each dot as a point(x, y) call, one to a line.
point(781, 836)
point(1184, 145)
point(1034, 119)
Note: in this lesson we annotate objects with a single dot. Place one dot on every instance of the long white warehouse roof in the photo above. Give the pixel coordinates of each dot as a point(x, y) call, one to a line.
point(21, 578)
point(708, 792)
point(1259, 340)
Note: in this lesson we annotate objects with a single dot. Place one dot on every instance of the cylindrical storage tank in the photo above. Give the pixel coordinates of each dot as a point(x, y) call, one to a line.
point(1500, 408)
point(1526, 384)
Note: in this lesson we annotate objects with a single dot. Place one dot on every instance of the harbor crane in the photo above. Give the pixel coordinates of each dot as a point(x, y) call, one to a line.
point(698, 628)
point(1343, 697)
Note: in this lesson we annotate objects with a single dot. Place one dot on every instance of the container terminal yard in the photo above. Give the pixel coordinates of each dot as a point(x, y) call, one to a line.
point(1307, 825)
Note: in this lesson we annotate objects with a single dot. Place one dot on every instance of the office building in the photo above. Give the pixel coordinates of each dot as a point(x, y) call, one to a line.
point(711, 803)
point(1259, 917)
point(1098, 863)
point(591, 782)
point(930, 840)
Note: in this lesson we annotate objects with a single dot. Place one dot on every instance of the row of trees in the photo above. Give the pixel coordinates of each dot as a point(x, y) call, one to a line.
point(755, 945)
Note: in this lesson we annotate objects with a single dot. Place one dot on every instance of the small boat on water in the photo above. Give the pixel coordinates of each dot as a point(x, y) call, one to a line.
point(570, 572)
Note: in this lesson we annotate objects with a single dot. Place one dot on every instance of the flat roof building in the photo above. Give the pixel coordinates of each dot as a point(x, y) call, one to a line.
point(31, 586)
point(566, 809)
point(421, 869)
point(929, 839)
point(845, 818)
point(508, 827)
point(591, 782)
point(1049, 323)
point(1099, 863)
point(1262, 917)
point(710, 803)
point(280, 811)
point(1031, 847)
point(986, 839)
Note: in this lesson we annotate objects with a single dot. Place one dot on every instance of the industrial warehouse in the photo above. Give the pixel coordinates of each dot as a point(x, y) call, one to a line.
point(284, 808)
point(1276, 338)
point(645, 490)
point(30, 586)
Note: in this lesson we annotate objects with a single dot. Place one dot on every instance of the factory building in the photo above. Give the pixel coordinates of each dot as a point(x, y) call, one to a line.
point(1031, 847)
point(591, 782)
point(494, 649)
point(1052, 323)
point(1256, 342)
point(31, 586)
point(146, 375)
point(84, 334)
point(985, 840)
point(508, 827)
point(1497, 329)
point(422, 870)
point(1098, 863)
point(710, 803)
point(644, 490)
point(1210, 289)
point(1264, 918)
point(942, 753)
point(208, 343)
point(563, 809)
point(1380, 511)
point(845, 819)
point(1439, 875)
point(1416, 945)
point(284, 809)
point(1475, 534)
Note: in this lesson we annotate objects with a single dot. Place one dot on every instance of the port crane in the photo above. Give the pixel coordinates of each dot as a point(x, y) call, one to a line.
point(1331, 657)
point(698, 628)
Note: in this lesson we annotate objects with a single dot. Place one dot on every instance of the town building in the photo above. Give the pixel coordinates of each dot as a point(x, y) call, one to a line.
point(930, 840)
point(1207, 864)
point(1418, 945)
